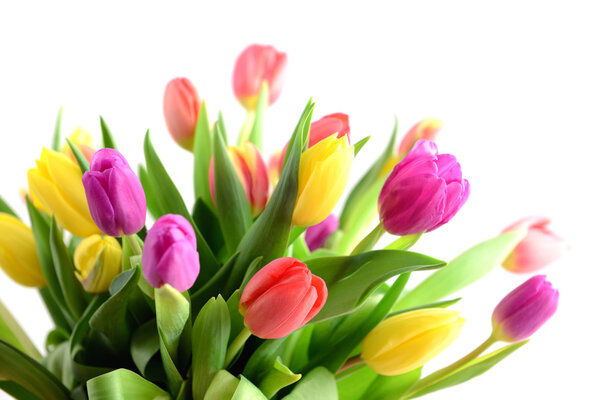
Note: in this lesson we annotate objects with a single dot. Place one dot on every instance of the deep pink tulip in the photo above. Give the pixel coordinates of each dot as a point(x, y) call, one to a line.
point(255, 65)
point(539, 248)
point(181, 105)
point(317, 235)
point(170, 255)
point(281, 297)
point(114, 194)
point(423, 192)
point(524, 310)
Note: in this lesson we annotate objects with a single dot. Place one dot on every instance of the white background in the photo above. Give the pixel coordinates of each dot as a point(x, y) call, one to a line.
point(516, 84)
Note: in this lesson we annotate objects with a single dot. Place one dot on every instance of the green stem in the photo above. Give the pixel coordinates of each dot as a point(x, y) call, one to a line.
point(247, 127)
point(295, 233)
point(135, 245)
point(237, 345)
point(369, 241)
point(351, 362)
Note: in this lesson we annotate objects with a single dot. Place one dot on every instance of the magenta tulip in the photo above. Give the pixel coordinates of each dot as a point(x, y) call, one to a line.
point(114, 193)
point(170, 255)
point(317, 235)
point(423, 192)
point(524, 310)
point(181, 105)
point(282, 297)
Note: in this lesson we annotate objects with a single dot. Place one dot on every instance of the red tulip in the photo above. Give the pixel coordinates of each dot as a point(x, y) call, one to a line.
point(181, 105)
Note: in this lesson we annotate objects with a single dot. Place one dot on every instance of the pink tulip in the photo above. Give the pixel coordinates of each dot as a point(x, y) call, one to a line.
point(539, 248)
point(425, 129)
point(317, 235)
point(282, 297)
point(169, 255)
point(423, 192)
point(181, 105)
point(524, 310)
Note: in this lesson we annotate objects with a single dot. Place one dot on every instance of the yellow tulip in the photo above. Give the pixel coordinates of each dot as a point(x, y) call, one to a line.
point(84, 142)
point(97, 262)
point(18, 254)
point(407, 341)
point(323, 174)
point(55, 186)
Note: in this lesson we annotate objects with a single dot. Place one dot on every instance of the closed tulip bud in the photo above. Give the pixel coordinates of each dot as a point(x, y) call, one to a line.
point(115, 195)
point(55, 187)
point(423, 192)
point(539, 247)
point(282, 297)
point(252, 173)
point(322, 177)
point(18, 254)
point(255, 65)
point(524, 310)
point(97, 261)
point(181, 105)
point(425, 129)
point(317, 235)
point(82, 139)
point(407, 341)
point(169, 255)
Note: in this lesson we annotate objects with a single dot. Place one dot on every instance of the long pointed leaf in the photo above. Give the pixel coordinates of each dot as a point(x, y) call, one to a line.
point(202, 154)
point(5, 208)
point(123, 384)
point(57, 126)
point(108, 140)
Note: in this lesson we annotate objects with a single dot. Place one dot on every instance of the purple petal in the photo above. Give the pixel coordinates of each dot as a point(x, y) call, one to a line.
point(179, 267)
point(101, 209)
point(128, 199)
point(317, 235)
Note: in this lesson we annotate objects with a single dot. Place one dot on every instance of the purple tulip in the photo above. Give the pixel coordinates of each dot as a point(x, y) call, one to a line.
point(114, 194)
point(170, 255)
point(317, 235)
point(423, 192)
point(524, 310)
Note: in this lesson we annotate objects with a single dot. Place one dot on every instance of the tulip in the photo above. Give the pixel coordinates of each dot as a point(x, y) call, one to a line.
point(423, 192)
point(252, 173)
point(425, 129)
point(18, 253)
point(181, 105)
point(97, 261)
point(82, 139)
point(407, 341)
point(55, 187)
point(115, 195)
point(539, 248)
point(280, 298)
point(524, 310)
point(317, 235)
point(322, 177)
point(255, 65)
point(169, 255)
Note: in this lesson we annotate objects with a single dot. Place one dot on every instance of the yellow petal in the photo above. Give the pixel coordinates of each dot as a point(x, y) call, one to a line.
point(97, 262)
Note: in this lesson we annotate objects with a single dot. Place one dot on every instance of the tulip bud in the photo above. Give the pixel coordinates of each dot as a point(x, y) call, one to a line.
point(82, 139)
point(317, 235)
point(282, 297)
point(97, 262)
point(425, 129)
point(169, 255)
point(539, 248)
point(115, 195)
point(18, 254)
point(423, 192)
point(524, 310)
point(255, 65)
point(252, 173)
point(55, 187)
point(323, 174)
point(407, 341)
point(181, 105)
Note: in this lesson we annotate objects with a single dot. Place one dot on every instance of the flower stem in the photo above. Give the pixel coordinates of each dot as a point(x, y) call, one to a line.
point(246, 128)
point(237, 345)
point(369, 241)
point(135, 245)
point(351, 362)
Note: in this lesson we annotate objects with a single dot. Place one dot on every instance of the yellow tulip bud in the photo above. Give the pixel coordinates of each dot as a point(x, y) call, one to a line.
point(97, 262)
point(407, 341)
point(322, 178)
point(55, 186)
point(18, 254)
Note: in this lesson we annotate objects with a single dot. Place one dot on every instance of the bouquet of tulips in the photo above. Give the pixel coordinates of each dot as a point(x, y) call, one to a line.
point(258, 291)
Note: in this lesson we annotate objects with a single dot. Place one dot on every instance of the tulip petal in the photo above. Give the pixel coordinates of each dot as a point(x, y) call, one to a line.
point(100, 208)
point(178, 267)
point(66, 175)
point(267, 277)
point(127, 197)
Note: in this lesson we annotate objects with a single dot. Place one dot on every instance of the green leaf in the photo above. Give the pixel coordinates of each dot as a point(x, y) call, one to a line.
point(209, 344)
point(56, 313)
point(83, 325)
point(463, 374)
point(317, 384)
point(268, 236)
point(16, 366)
point(123, 384)
point(233, 209)
point(263, 358)
point(276, 378)
point(111, 318)
point(391, 387)
point(246, 391)
point(144, 345)
point(65, 272)
point(256, 133)
point(202, 155)
point(17, 391)
point(108, 140)
point(404, 242)
point(351, 279)
point(174, 378)
point(355, 385)
point(237, 320)
point(172, 314)
point(56, 136)
point(222, 387)
point(206, 220)
point(169, 200)
point(58, 363)
point(213, 286)
point(222, 130)
point(84, 164)
point(5, 208)
point(359, 145)
point(437, 304)
point(151, 203)
point(465, 269)
point(12, 333)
